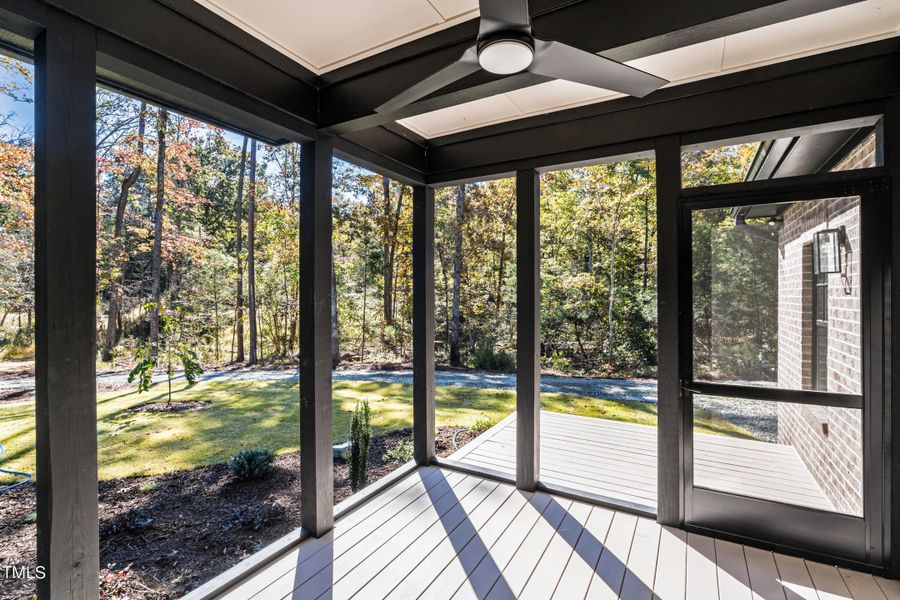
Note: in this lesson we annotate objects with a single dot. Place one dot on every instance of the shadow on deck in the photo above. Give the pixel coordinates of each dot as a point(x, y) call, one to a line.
point(617, 461)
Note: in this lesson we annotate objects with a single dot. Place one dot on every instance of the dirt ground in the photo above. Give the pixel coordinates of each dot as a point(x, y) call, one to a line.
point(162, 536)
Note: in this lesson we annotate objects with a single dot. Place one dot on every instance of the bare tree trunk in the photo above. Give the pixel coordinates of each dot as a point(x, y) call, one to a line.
point(500, 274)
point(362, 346)
point(386, 268)
point(335, 335)
point(216, 313)
point(613, 247)
point(251, 258)
point(455, 359)
point(117, 250)
point(156, 265)
point(646, 243)
point(389, 249)
point(238, 244)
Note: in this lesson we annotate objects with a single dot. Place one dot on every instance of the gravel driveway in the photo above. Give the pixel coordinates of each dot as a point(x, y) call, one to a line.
point(759, 418)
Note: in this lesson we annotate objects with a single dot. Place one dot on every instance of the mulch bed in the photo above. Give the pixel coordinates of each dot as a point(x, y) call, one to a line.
point(16, 395)
point(176, 531)
point(168, 407)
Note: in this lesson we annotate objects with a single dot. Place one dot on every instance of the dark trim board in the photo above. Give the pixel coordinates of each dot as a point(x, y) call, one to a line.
point(385, 151)
point(136, 71)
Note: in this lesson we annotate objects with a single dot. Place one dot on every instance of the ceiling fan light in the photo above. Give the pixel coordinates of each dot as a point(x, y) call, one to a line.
point(504, 57)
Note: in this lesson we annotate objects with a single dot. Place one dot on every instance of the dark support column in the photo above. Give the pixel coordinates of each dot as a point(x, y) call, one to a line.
point(423, 324)
point(65, 293)
point(670, 510)
point(528, 329)
point(890, 147)
point(316, 462)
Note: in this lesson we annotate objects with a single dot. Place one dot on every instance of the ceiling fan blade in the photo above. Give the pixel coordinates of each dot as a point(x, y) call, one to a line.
point(465, 65)
point(560, 61)
point(503, 15)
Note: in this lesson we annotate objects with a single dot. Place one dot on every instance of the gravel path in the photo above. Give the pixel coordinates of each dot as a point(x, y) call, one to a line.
point(759, 418)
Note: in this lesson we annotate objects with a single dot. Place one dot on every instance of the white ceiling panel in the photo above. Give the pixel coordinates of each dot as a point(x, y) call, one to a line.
point(848, 25)
point(553, 94)
point(470, 115)
point(323, 35)
point(451, 9)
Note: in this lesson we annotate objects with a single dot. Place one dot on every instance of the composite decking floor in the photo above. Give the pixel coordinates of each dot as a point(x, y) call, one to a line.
point(443, 534)
point(617, 461)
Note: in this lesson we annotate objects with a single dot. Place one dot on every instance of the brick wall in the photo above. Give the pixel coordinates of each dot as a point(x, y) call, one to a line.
point(828, 439)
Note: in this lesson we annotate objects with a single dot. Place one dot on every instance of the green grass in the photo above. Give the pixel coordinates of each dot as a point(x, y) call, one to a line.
point(249, 414)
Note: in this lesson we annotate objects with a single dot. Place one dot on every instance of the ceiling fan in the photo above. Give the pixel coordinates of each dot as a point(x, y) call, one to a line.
point(505, 45)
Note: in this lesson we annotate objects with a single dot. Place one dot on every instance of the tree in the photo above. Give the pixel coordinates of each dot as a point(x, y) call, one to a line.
point(390, 232)
point(156, 265)
point(239, 298)
point(251, 257)
point(457, 276)
point(117, 250)
point(335, 335)
point(175, 348)
point(360, 434)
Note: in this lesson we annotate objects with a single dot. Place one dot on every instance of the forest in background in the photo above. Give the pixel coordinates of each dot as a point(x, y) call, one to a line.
point(200, 225)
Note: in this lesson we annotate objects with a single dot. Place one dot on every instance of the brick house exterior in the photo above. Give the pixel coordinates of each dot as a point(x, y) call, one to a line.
point(823, 353)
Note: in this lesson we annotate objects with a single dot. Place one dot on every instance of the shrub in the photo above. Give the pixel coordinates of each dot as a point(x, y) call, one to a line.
point(251, 463)
point(360, 434)
point(489, 359)
point(149, 487)
point(482, 424)
point(558, 362)
point(402, 452)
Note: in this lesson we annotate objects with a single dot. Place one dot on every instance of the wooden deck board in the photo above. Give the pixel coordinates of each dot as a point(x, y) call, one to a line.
point(442, 534)
point(618, 460)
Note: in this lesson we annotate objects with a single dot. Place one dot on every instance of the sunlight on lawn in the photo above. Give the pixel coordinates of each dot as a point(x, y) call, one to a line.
point(248, 414)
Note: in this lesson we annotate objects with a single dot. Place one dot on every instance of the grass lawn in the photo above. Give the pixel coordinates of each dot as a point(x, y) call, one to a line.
point(245, 414)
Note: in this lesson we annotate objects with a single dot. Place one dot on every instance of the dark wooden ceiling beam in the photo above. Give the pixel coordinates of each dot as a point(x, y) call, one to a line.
point(620, 29)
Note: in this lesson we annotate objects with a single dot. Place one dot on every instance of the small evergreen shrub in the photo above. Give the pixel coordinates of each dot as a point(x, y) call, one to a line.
point(251, 463)
point(360, 435)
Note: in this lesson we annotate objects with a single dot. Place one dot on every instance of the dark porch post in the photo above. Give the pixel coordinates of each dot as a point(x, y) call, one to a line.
point(670, 430)
point(65, 293)
point(423, 324)
point(890, 149)
point(316, 461)
point(528, 329)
